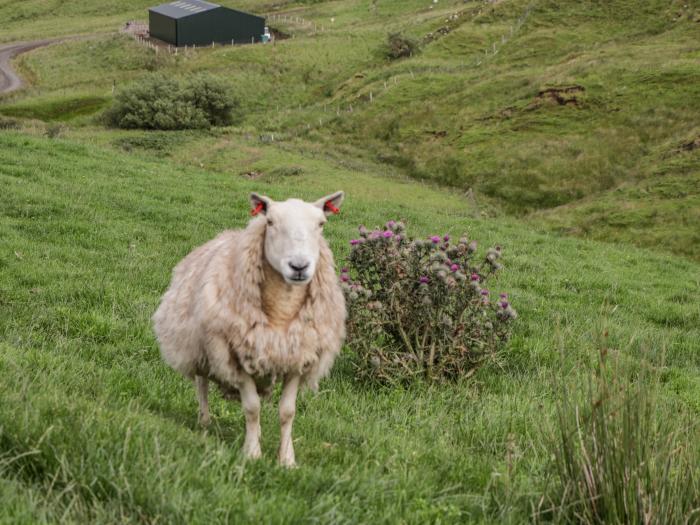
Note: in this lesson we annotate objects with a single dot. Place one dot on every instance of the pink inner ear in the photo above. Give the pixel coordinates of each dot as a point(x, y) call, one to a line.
point(257, 209)
point(329, 206)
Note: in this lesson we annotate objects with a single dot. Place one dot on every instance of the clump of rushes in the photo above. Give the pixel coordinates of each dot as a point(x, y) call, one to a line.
point(420, 308)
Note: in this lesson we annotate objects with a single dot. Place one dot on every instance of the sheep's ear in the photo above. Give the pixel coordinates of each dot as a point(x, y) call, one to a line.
point(259, 204)
point(330, 204)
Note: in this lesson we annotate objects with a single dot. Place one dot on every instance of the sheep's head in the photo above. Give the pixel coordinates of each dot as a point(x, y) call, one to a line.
point(293, 233)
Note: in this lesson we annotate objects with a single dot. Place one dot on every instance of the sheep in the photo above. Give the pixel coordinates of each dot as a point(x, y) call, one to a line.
point(255, 306)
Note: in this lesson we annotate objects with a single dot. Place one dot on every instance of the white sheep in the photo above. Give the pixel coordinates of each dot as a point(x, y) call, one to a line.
point(256, 305)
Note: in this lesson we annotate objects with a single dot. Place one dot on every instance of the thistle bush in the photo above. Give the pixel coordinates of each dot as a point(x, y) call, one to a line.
point(421, 308)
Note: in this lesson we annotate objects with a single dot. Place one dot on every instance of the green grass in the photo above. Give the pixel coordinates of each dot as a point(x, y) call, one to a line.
point(61, 109)
point(95, 427)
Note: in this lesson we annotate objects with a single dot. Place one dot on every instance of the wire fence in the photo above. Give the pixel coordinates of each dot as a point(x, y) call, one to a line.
point(299, 21)
point(327, 112)
point(138, 30)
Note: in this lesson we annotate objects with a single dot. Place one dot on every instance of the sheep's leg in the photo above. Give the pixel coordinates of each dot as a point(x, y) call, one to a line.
point(250, 400)
point(288, 403)
point(202, 386)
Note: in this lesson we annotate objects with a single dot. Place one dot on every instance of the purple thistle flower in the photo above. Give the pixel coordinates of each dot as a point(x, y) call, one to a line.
point(398, 237)
point(446, 237)
point(354, 242)
point(344, 278)
point(503, 296)
point(435, 239)
point(388, 234)
point(454, 267)
point(475, 277)
point(391, 225)
point(504, 304)
point(343, 270)
point(423, 279)
point(485, 292)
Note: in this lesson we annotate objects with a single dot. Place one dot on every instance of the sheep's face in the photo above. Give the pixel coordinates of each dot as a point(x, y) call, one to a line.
point(293, 233)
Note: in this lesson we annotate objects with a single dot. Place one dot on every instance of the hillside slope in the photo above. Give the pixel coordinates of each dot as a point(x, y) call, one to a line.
point(94, 428)
point(529, 105)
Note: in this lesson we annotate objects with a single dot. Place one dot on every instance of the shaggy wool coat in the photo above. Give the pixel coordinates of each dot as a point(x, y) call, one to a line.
point(215, 299)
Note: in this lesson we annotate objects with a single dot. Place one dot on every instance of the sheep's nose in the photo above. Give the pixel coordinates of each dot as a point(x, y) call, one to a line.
point(298, 267)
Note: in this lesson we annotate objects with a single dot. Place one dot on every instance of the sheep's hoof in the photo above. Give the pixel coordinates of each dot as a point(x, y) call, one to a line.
point(287, 462)
point(252, 452)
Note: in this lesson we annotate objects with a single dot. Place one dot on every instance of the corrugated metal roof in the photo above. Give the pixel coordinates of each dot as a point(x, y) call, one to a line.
point(183, 8)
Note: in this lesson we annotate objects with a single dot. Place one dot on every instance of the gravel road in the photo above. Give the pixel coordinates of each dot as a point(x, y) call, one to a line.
point(9, 80)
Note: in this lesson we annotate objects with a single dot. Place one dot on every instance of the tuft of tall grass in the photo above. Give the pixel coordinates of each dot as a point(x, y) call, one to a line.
point(620, 455)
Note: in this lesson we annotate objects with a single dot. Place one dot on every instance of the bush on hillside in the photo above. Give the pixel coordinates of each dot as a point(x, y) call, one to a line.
point(210, 95)
point(420, 308)
point(400, 46)
point(157, 102)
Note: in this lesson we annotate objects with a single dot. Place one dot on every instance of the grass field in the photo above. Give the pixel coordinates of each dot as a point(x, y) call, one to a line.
point(94, 428)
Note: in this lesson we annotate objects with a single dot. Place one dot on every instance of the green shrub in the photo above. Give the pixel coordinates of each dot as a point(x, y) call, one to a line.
point(620, 459)
point(420, 308)
point(399, 46)
point(210, 96)
point(157, 102)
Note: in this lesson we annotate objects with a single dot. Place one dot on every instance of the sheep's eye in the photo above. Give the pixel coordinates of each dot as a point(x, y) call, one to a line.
point(269, 222)
point(321, 224)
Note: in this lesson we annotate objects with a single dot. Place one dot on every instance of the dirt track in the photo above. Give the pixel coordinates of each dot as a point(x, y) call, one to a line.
point(9, 80)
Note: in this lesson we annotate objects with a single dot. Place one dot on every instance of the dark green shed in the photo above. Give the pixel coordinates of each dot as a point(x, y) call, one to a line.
point(195, 22)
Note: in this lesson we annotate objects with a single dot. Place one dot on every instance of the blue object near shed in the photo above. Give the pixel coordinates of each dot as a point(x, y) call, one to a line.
point(196, 22)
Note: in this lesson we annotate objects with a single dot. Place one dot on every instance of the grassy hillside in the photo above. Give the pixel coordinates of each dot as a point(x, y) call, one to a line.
point(94, 428)
point(530, 105)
